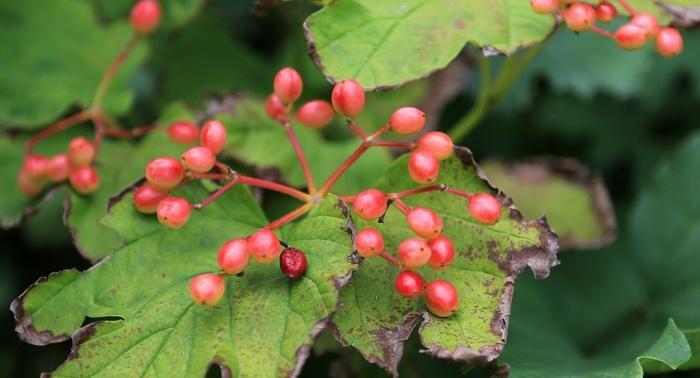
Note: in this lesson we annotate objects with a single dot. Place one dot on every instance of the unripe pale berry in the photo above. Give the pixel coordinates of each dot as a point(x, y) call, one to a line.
point(544, 6)
point(348, 98)
point(437, 144)
point(407, 120)
point(274, 107)
point(147, 197)
point(288, 85)
point(198, 159)
point(442, 253)
point(315, 114)
point(293, 262)
point(263, 246)
point(414, 253)
point(84, 180)
point(485, 208)
point(233, 256)
point(669, 42)
point(441, 298)
point(409, 284)
point(423, 167)
point(369, 242)
point(183, 132)
point(173, 212)
point(81, 152)
point(580, 17)
point(213, 136)
point(145, 16)
point(605, 12)
point(35, 166)
point(424, 222)
point(207, 289)
point(630, 37)
point(647, 22)
point(29, 185)
point(58, 168)
point(164, 172)
point(370, 204)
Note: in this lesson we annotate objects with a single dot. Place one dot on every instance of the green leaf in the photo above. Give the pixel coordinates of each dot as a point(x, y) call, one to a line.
point(174, 12)
point(375, 320)
point(576, 203)
point(46, 70)
point(387, 43)
point(605, 313)
point(142, 321)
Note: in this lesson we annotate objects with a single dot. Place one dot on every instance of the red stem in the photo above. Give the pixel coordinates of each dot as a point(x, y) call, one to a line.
point(628, 7)
point(112, 71)
point(56, 127)
point(408, 145)
point(328, 185)
point(266, 184)
point(300, 156)
point(391, 259)
point(356, 129)
point(401, 205)
point(424, 189)
point(289, 217)
point(216, 195)
point(378, 133)
point(602, 32)
point(208, 176)
point(460, 193)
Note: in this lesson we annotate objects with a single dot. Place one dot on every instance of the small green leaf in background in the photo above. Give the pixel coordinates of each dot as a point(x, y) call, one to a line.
point(387, 43)
point(577, 204)
point(175, 12)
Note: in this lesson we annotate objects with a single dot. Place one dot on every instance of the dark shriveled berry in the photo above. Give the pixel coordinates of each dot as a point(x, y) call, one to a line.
point(293, 262)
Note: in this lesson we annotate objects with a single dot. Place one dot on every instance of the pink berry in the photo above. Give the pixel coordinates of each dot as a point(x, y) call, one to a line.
point(348, 98)
point(441, 298)
point(414, 252)
point(58, 168)
point(213, 136)
point(315, 114)
point(443, 253)
point(274, 107)
point(173, 212)
point(437, 144)
point(424, 222)
point(407, 120)
point(183, 132)
point(669, 42)
point(370, 204)
point(630, 37)
point(288, 85)
point(29, 185)
point(198, 159)
point(423, 167)
point(164, 172)
point(145, 16)
point(263, 246)
point(647, 22)
point(233, 256)
point(81, 152)
point(207, 289)
point(580, 17)
point(409, 284)
point(369, 242)
point(293, 262)
point(485, 208)
point(605, 12)
point(84, 180)
point(35, 166)
point(147, 197)
point(544, 6)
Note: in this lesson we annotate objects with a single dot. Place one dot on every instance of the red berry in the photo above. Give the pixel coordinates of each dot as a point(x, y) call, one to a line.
point(605, 12)
point(630, 37)
point(288, 85)
point(442, 253)
point(173, 212)
point(423, 167)
point(213, 136)
point(274, 107)
point(207, 289)
point(145, 16)
point(263, 246)
point(437, 144)
point(84, 180)
point(370, 204)
point(233, 256)
point(58, 168)
point(29, 185)
point(183, 132)
point(424, 222)
point(35, 166)
point(580, 17)
point(409, 284)
point(293, 262)
point(647, 22)
point(441, 298)
point(348, 98)
point(544, 6)
point(315, 114)
point(81, 152)
point(485, 208)
point(369, 242)
point(198, 159)
point(407, 120)
point(164, 172)
point(669, 42)
point(414, 253)
point(147, 197)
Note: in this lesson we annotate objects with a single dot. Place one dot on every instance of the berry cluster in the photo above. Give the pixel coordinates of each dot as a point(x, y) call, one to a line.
point(642, 27)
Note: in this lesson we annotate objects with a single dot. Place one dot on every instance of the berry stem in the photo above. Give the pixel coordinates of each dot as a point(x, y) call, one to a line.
point(208, 176)
point(328, 185)
point(378, 133)
point(356, 129)
point(459, 193)
point(270, 185)
point(127, 133)
point(424, 189)
point(389, 258)
point(56, 127)
point(602, 32)
point(300, 156)
point(289, 217)
point(627, 7)
point(112, 71)
point(408, 145)
point(225, 188)
point(401, 205)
